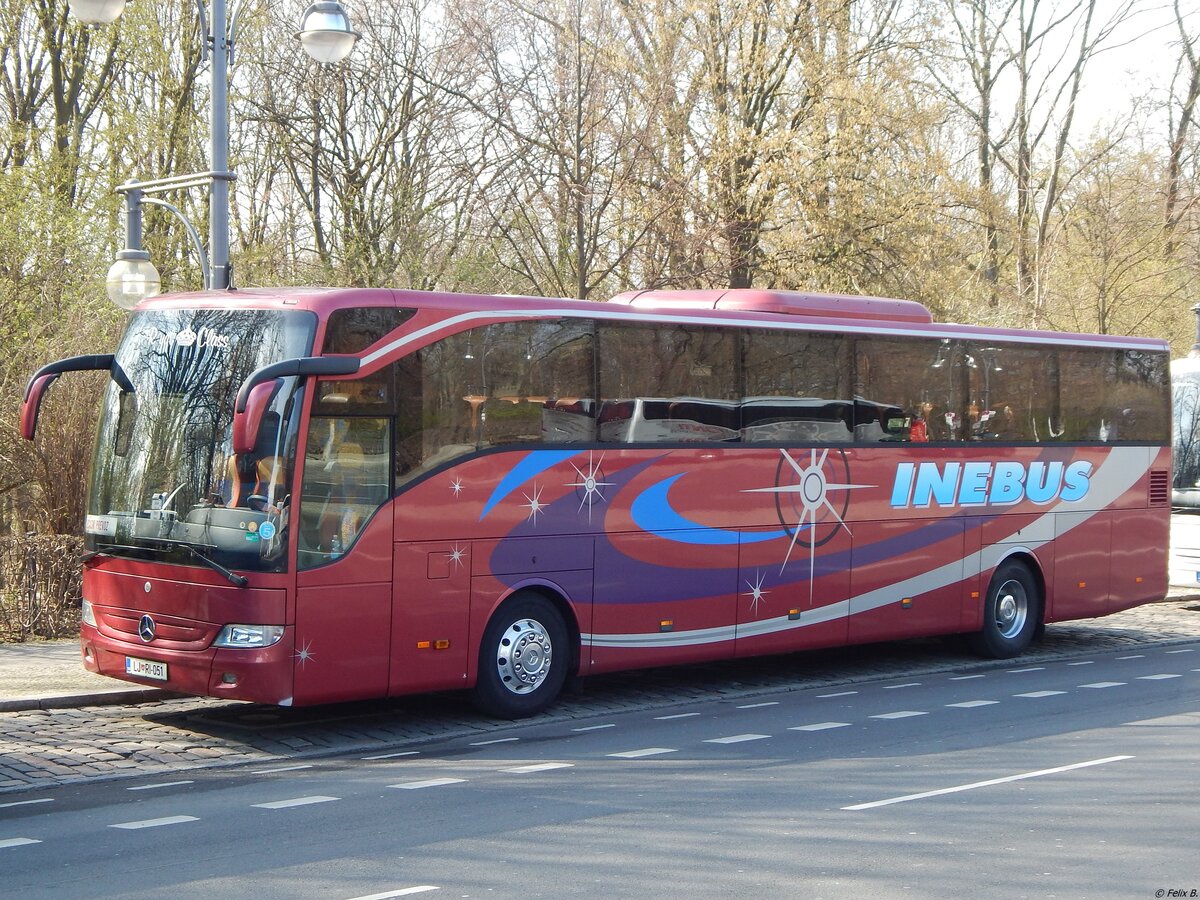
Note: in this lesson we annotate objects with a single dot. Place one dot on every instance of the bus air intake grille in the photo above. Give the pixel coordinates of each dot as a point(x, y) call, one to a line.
point(1160, 487)
point(172, 633)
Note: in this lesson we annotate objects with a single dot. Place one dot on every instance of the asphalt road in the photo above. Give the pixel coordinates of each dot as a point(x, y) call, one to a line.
point(46, 746)
point(1068, 778)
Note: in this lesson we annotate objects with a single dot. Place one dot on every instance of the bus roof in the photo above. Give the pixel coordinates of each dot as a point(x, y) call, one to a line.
point(790, 303)
point(836, 313)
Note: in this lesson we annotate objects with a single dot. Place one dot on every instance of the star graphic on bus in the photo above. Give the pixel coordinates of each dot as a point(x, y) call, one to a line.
point(811, 488)
point(535, 504)
point(590, 482)
point(456, 486)
point(304, 654)
point(756, 592)
point(456, 555)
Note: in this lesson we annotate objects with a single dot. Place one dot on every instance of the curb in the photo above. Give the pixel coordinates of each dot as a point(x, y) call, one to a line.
point(98, 698)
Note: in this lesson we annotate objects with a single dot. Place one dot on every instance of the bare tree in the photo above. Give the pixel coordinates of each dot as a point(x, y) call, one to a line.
point(371, 150)
point(568, 159)
point(1185, 94)
point(977, 45)
point(1110, 275)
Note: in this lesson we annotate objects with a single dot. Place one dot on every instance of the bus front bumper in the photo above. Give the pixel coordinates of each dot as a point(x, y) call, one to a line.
point(259, 675)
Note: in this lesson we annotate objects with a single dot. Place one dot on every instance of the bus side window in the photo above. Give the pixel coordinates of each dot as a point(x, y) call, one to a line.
point(910, 391)
point(347, 476)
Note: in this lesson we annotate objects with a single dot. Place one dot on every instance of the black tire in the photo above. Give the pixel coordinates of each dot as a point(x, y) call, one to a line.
point(523, 658)
point(1012, 612)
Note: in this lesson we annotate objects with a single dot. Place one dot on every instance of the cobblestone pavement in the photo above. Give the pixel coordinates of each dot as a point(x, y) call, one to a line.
point(57, 746)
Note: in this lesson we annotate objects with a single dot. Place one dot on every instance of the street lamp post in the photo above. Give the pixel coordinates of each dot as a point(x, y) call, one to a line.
point(326, 35)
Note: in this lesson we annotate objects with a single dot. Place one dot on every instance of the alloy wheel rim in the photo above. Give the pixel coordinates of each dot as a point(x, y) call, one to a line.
point(524, 656)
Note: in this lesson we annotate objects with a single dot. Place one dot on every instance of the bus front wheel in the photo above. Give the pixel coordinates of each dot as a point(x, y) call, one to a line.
point(523, 658)
point(1011, 613)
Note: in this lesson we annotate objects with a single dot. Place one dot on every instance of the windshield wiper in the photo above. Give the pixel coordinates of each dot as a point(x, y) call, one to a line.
point(232, 577)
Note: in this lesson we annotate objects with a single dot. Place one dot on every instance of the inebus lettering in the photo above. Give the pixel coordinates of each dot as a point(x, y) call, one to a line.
point(921, 485)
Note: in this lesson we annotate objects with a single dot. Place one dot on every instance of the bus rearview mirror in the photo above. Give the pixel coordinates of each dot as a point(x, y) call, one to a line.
point(33, 404)
point(247, 422)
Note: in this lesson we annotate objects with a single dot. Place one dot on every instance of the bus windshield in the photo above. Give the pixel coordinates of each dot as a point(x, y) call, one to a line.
point(166, 484)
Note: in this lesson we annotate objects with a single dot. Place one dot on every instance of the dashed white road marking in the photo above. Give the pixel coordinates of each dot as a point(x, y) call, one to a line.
point(759, 705)
point(428, 783)
point(17, 842)
point(538, 767)
point(900, 714)
point(1103, 684)
point(277, 769)
point(971, 704)
point(676, 716)
point(1134, 656)
point(155, 823)
point(402, 892)
point(609, 725)
point(1030, 669)
point(1085, 662)
point(1037, 694)
point(988, 783)
point(296, 801)
point(1187, 650)
point(894, 687)
point(819, 726)
point(390, 755)
point(838, 694)
point(966, 677)
point(1157, 677)
point(638, 754)
point(737, 739)
point(27, 802)
point(507, 740)
point(155, 787)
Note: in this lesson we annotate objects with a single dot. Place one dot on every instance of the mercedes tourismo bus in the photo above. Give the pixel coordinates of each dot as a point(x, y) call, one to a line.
point(305, 496)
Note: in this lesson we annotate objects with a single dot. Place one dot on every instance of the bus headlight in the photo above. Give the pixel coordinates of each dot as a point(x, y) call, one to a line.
point(86, 614)
point(239, 636)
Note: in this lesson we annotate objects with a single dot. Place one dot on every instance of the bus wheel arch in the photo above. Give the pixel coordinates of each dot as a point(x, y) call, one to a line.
point(559, 599)
point(1013, 609)
point(529, 647)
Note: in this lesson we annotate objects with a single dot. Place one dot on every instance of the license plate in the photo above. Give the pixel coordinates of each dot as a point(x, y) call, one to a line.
point(145, 668)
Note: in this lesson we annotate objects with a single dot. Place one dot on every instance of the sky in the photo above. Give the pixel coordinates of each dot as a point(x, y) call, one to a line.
point(1138, 64)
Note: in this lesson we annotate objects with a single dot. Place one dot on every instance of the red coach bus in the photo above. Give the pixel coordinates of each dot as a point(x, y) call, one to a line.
point(306, 496)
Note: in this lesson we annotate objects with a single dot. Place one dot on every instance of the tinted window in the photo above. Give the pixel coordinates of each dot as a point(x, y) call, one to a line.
point(668, 383)
point(796, 387)
point(972, 391)
point(1014, 393)
point(354, 330)
point(909, 390)
point(510, 383)
point(1112, 395)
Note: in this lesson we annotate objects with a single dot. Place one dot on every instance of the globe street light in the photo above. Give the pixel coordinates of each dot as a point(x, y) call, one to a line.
point(326, 35)
point(96, 12)
point(325, 32)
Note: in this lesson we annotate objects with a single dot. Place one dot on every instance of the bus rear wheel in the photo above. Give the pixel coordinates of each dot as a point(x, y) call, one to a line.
point(1012, 613)
point(523, 658)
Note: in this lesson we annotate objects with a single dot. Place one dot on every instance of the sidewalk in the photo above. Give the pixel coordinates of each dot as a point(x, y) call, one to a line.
point(50, 674)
